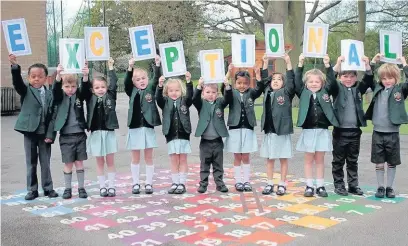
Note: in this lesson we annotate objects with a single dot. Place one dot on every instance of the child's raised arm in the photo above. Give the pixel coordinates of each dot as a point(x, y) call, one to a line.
point(128, 78)
point(227, 94)
point(368, 78)
point(18, 82)
point(189, 90)
point(57, 92)
point(85, 91)
point(113, 79)
point(157, 73)
point(264, 72)
point(260, 84)
point(290, 76)
point(331, 86)
point(159, 93)
point(299, 85)
point(197, 101)
point(404, 67)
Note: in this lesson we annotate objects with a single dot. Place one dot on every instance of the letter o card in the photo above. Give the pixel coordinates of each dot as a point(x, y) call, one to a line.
point(274, 40)
point(212, 66)
point(72, 54)
point(173, 60)
point(97, 43)
point(142, 42)
point(15, 34)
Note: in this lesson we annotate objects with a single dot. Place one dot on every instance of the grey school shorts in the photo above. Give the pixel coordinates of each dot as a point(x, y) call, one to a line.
point(385, 147)
point(73, 147)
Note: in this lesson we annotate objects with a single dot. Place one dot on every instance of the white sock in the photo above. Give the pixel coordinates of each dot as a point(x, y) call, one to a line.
point(101, 180)
point(135, 168)
point(247, 171)
point(270, 182)
point(111, 178)
point(149, 174)
point(283, 183)
point(319, 183)
point(183, 178)
point(175, 178)
point(237, 174)
point(309, 182)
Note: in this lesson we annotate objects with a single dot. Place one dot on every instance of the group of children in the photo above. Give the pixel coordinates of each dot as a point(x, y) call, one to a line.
point(324, 102)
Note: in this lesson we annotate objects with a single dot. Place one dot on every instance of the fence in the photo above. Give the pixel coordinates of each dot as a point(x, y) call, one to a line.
point(8, 101)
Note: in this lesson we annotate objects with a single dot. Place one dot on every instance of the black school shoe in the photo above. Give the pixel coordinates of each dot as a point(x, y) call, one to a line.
point(389, 192)
point(356, 191)
point(309, 191)
point(321, 191)
point(51, 193)
point(281, 190)
point(181, 189)
point(247, 186)
point(222, 188)
point(136, 189)
point(82, 193)
point(111, 192)
point(239, 187)
point(172, 188)
point(341, 191)
point(380, 192)
point(31, 195)
point(103, 192)
point(67, 193)
point(202, 189)
point(148, 189)
point(268, 190)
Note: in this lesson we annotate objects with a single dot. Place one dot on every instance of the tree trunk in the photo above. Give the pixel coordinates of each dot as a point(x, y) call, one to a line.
point(362, 15)
point(292, 15)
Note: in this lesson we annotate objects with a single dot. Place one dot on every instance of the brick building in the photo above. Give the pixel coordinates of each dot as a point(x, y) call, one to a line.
point(34, 13)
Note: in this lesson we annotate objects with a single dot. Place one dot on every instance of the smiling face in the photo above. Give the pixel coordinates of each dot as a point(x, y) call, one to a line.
point(277, 81)
point(314, 80)
point(174, 90)
point(210, 92)
point(242, 84)
point(348, 79)
point(37, 77)
point(140, 79)
point(389, 74)
point(99, 87)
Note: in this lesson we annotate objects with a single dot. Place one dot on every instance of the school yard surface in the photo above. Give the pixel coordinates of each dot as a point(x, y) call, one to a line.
point(194, 219)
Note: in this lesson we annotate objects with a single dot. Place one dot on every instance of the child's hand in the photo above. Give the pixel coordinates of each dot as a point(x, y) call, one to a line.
point(131, 64)
point(257, 73)
point(377, 58)
point(340, 59)
point(403, 61)
point(227, 84)
point(286, 57)
point(161, 81)
point(60, 69)
point(13, 59)
point(110, 63)
point(301, 60)
point(230, 68)
point(85, 71)
point(201, 82)
point(326, 60)
point(265, 58)
point(188, 77)
point(366, 62)
point(157, 60)
point(47, 140)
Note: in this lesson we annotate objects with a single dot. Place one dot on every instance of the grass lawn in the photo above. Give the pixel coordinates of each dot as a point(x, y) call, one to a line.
point(368, 129)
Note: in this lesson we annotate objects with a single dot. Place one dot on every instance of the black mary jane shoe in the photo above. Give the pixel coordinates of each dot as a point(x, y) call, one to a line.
point(111, 192)
point(172, 188)
point(268, 190)
point(148, 189)
point(239, 187)
point(136, 189)
point(247, 186)
point(103, 192)
point(309, 192)
point(321, 191)
point(181, 189)
point(281, 190)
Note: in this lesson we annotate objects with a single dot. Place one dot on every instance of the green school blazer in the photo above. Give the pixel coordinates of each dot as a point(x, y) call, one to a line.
point(282, 103)
point(323, 96)
point(61, 100)
point(183, 108)
point(217, 114)
point(339, 94)
point(248, 99)
point(396, 106)
point(147, 98)
point(30, 115)
point(108, 100)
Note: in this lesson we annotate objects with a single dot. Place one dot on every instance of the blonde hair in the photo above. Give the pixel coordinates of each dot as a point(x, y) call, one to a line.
point(211, 85)
point(316, 72)
point(174, 81)
point(69, 79)
point(389, 70)
point(139, 69)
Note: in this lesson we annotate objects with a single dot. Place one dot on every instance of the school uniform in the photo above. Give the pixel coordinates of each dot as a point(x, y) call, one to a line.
point(315, 115)
point(348, 109)
point(387, 112)
point(143, 114)
point(70, 122)
point(34, 122)
point(277, 118)
point(101, 118)
point(241, 120)
point(176, 120)
point(211, 128)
